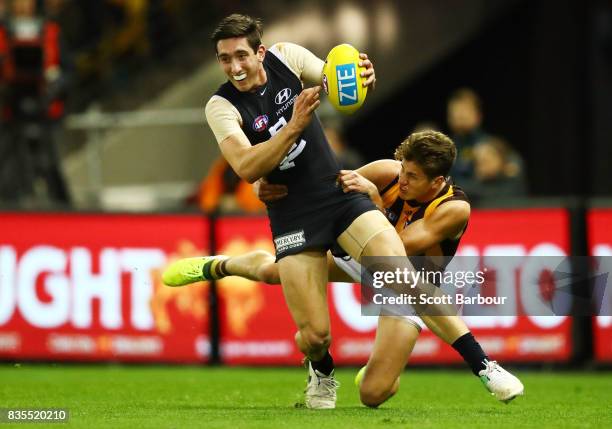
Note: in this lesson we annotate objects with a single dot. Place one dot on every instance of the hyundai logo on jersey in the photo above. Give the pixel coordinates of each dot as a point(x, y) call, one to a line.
point(282, 96)
point(347, 84)
point(260, 123)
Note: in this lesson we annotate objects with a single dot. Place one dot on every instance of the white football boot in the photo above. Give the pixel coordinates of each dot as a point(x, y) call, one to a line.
point(503, 385)
point(321, 390)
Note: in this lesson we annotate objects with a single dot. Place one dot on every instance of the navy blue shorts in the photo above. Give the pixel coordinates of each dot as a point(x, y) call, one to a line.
point(316, 224)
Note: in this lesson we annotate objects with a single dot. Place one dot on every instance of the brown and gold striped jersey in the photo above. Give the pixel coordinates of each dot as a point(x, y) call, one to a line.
point(402, 213)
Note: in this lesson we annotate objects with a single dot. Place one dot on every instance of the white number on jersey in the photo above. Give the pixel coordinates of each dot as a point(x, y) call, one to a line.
point(295, 150)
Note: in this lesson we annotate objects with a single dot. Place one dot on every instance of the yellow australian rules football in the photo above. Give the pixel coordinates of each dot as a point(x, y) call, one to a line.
point(341, 79)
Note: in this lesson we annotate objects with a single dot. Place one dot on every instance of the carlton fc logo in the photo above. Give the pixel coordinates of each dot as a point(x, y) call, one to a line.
point(260, 123)
point(283, 96)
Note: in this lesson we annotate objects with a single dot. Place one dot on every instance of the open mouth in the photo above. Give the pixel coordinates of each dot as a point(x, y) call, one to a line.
point(239, 77)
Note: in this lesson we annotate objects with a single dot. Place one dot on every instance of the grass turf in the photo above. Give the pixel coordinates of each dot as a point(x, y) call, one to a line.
point(179, 397)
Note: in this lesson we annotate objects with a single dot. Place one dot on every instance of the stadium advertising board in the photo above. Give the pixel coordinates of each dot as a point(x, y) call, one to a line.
point(87, 287)
point(600, 244)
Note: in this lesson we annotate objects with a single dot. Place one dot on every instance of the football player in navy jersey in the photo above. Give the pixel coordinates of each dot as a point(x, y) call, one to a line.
point(265, 125)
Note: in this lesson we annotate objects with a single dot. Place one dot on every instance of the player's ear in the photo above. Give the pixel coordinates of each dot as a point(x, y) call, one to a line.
point(261, 53)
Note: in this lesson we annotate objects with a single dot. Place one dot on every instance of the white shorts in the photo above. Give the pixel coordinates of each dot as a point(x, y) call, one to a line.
point(353, 269)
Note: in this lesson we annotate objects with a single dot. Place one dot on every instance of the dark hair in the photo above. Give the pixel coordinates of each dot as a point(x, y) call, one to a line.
point(431, 150)
point(237, 25)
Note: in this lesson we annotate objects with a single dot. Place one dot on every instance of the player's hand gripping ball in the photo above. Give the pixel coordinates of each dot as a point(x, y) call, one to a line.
point(341, 79)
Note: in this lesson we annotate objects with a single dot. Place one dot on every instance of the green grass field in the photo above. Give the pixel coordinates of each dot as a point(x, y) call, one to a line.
point(179, 397)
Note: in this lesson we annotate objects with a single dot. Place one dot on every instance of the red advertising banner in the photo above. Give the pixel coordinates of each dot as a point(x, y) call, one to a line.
point(257, 327)
point(600, 244)
point(87, 287)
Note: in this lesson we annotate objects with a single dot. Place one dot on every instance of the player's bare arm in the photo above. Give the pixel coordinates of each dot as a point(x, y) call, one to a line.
point(370, 179)
point(253, 162)
point(447, 221)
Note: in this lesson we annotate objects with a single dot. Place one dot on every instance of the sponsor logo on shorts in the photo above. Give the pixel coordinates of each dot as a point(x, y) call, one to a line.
point(289, 241)
point(283, 96)
point(260, 123)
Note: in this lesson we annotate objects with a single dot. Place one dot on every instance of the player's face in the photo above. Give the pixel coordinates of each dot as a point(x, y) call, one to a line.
point(414, 183)
point(240, 63)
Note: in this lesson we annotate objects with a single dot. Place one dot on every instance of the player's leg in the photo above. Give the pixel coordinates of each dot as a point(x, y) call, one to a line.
point(366, 236)
point(304, 280)
point(258, 265)
point(395, 339)
point(453, 330)
point(450, 329)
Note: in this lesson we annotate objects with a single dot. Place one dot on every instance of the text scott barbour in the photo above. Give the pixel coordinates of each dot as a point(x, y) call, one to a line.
point(424, 299)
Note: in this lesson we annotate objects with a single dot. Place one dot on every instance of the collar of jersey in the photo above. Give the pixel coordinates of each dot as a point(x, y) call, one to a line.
point(415, 203)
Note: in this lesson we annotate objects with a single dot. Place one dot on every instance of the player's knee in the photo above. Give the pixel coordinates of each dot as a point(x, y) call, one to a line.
point(374, 394)
point(316, 338)
point(372, 398)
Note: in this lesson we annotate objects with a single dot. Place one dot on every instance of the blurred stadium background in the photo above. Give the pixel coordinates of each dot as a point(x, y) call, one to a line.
point(108, 170)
